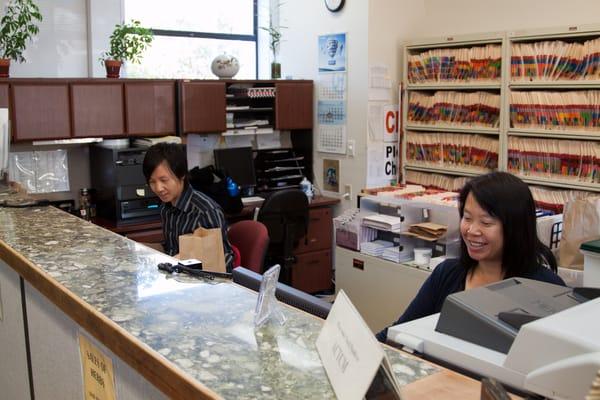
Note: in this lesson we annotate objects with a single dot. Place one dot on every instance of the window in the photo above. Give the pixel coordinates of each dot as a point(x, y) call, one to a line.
point(189, 34)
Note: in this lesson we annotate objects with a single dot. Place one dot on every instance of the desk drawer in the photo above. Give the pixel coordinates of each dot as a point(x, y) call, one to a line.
point(312, 271)
point(149, 236)
point(320, 231)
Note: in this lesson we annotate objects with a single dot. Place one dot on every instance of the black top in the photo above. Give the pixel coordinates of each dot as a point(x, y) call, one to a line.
point(447, 278)
point(192, 210)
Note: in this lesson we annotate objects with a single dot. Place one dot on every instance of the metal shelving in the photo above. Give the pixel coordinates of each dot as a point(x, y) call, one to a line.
point(442, 169)
point(571, 33)
point(454, 129)
point(464, 41)
point(504, 88)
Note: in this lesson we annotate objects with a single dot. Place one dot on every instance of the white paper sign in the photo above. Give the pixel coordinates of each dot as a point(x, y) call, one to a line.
point(391, 123)
point(390, 166)
point(349, 351)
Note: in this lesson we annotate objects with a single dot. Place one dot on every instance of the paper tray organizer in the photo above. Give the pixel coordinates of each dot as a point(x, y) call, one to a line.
point(349, 231)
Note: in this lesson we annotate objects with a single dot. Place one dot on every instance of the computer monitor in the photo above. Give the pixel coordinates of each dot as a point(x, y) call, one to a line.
point(284, 293)
point(238, 163)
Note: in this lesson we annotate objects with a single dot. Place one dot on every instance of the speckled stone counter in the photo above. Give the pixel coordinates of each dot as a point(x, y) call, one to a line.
point(203, 328)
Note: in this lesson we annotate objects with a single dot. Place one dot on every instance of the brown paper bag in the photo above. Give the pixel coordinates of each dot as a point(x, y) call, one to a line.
point(581, 223)
point(205, 245)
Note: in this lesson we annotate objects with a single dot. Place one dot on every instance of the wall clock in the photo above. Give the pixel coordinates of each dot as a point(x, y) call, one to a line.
point(334, 5)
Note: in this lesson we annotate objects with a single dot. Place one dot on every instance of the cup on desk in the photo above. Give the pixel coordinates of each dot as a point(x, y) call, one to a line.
point(422, 256)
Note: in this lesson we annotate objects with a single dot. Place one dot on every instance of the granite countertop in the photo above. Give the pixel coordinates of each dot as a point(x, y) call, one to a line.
point(203, 327)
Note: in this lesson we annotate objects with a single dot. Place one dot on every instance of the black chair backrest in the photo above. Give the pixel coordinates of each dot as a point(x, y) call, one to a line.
point(285, 208)
point(284, 293)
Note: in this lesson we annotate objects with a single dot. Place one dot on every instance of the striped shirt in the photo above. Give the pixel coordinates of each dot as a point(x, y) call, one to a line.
point(193, 209)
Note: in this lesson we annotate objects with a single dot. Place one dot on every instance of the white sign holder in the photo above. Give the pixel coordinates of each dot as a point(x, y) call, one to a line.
point(352, 357)
point(266, 305)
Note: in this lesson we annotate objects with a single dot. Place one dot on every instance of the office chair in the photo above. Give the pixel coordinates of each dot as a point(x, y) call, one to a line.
point(252, 240)
point(285, 214)
point(284, 293)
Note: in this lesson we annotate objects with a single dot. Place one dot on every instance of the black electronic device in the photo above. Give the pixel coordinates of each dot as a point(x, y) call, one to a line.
point(284, 293)
point(182, 268)
point(238, 163)
point(122, 194)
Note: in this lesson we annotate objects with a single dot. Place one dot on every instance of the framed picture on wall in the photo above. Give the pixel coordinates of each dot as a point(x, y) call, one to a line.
point(331, 175)
point(332, 52)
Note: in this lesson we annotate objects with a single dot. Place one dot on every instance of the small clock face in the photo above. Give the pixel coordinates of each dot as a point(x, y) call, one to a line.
point(334, 5)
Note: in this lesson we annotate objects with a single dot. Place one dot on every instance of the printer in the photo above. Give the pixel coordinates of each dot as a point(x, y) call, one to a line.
point(122, 194)
point(530, 335)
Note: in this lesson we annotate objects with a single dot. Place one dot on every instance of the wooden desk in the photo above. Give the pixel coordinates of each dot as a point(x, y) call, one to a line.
point(312, 271)
point(144, 232)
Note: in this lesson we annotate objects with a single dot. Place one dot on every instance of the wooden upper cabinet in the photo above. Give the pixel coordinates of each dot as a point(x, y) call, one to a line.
point(97, 109)
point(203, 107)
point(40, 111)
point(294, 105)
point(150, 108)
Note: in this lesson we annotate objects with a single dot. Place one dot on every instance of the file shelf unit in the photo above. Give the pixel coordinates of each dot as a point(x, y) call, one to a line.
point(506, 131)
point(446, 85)
point(566, 87)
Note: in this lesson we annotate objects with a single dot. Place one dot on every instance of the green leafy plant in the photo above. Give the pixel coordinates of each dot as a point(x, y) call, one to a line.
point(127, 42)
point(275, 34)
point(274, 30)
point(17, 27)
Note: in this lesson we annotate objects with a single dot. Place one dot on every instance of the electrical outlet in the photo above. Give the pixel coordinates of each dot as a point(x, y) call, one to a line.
point(351, 147)
point(347, 192)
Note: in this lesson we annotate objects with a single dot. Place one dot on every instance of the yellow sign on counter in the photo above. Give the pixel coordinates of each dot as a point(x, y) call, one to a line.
point(98, 376)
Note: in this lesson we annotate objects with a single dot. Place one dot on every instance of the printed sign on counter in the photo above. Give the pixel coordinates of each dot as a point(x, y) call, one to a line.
point(98, 374)
point(350, 353)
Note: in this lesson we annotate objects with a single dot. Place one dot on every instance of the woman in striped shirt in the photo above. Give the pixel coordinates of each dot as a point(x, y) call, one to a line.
point(184, 209)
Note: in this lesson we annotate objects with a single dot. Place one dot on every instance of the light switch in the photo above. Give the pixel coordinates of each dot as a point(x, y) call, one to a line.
point(347, 192)
point(351, 147)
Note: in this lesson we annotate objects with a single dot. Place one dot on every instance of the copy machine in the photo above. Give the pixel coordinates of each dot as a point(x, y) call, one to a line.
point(530, 335)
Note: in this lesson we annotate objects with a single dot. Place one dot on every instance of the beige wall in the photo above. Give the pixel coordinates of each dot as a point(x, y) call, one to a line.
point(305, 21)
point(473, 16)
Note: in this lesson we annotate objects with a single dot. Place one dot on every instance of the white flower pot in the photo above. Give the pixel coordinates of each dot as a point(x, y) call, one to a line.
point(225, 66)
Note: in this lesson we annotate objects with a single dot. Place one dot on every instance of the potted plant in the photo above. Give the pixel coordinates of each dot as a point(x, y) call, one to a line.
point(274, 31)
point(17, 27)
point(127, 43)
point(275, 34)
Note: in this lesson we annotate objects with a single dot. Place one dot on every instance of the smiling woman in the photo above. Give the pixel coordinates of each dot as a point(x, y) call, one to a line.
point(498, 241)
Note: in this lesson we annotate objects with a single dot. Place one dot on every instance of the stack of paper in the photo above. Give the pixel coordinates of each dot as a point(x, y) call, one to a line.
point(427, 230)
point(375, 248)
point(149, 141)
point(383, 222)
point(398, 254)
point(452, 150)
point(575, 160)
point(436, 181)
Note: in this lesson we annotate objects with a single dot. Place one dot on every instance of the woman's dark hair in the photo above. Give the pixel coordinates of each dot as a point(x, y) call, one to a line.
point(173, 154)
point(506, 197)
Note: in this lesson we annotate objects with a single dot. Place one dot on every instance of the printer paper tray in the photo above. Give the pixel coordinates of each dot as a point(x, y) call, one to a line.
point(469, 356)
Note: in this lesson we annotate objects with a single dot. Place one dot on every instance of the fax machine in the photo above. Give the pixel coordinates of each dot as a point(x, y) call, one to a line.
point(530, 335)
